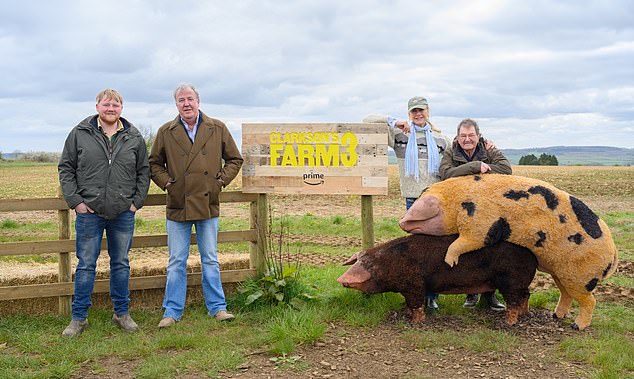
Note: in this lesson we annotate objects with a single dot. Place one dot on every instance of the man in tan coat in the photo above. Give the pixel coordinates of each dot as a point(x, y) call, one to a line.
point(192, 158)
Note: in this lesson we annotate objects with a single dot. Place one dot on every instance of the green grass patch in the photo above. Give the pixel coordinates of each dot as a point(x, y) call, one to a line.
point(621, 225)
point(12, 231)
point(32, 346)
point(622, 281)
point(8, 224)
point(18, 164)
point(544, 299)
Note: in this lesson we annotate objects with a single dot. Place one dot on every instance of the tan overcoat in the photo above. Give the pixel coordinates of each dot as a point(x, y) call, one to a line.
point(198, 171)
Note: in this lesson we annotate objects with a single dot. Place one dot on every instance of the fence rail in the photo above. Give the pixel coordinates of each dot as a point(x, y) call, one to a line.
point(64, 245)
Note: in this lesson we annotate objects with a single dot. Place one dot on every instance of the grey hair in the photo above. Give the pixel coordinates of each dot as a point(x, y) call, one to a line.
point(468, 122)
point(183, 87)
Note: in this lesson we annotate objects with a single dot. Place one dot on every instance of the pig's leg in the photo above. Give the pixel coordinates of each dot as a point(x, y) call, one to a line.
point(460, 246)
point(524, 309)
point(415, 302)
point(418, 314)
point(419, 217)
point(517, 305)
point(587, 302)
point(565, 300)
point(512, 315)
point(570, 289)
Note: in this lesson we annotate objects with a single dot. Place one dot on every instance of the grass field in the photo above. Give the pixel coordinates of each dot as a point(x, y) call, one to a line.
point(277, 341)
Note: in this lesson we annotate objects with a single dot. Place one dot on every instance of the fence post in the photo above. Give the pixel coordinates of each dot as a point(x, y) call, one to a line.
point(65, 273)
point(367, 221)
point(259, 221)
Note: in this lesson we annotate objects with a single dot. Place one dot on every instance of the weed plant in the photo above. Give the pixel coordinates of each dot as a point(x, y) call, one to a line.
point(281, 283)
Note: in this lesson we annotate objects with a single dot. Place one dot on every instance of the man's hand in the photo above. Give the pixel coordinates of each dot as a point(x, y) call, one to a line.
point(132, 208)
point(489, 145)
point(484, 167)
point(83, 208)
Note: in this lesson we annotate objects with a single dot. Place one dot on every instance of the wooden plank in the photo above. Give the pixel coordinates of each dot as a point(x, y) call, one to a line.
point(53, 203)
point(103, 285)
point(38, 204)
point(259, 219)
point(55, 246)
point(367, 221)
point(336, 185)
point(64, 267)
point(264, 139)
point(298, 172)
point(225, 197)
point(289, 127)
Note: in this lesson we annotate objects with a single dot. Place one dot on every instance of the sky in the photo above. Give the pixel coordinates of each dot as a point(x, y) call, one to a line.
point(531, 73)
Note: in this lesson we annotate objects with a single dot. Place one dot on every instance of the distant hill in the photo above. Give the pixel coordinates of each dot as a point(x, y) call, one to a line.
point(569, 155)
point(578, 155)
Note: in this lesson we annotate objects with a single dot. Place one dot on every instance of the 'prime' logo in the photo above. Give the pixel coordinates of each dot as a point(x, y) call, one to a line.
point(313, 179)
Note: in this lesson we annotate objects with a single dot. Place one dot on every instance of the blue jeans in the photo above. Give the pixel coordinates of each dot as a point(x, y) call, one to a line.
point(178, 241)
point(409, 201)
point(89, 230)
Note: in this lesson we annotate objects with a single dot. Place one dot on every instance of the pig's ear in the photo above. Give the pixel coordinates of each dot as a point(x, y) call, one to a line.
point(351, 260)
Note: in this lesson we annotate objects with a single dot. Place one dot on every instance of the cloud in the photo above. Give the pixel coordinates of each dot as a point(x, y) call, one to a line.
point(539, 73)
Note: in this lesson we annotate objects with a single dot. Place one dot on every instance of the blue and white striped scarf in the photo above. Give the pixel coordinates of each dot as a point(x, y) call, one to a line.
point(411, 152)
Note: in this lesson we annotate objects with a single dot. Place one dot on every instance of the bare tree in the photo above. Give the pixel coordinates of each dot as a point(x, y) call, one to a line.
point(148, 135)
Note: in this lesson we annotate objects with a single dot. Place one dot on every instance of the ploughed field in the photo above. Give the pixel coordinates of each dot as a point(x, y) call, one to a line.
point(605, 189)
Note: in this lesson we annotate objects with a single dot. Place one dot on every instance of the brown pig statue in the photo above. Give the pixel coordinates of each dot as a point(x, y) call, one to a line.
point(415, 264)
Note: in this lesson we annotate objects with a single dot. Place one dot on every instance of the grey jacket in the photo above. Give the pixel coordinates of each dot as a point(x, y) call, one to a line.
point(108, 177)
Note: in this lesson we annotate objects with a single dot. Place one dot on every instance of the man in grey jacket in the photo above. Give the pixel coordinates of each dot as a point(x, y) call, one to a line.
point(105, 177)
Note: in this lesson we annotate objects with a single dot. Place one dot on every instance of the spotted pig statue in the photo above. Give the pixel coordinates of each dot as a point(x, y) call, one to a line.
point(570, 241)
point(414, 264)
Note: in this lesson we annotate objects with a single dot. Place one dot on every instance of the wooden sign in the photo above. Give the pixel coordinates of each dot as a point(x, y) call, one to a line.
point(328, 158)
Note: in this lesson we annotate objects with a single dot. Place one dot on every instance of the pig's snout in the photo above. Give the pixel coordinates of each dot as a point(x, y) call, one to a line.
point(355, 277)
point(343, 282)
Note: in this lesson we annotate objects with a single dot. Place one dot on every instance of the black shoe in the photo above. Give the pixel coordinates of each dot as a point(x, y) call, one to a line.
point(431, 304)
point(494, 303)
point(471, 301)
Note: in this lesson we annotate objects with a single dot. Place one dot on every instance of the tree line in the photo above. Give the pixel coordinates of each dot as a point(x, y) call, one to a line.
point(543, 160)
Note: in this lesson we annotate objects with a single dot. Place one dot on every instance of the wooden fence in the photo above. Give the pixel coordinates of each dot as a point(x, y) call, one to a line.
point(63, 246)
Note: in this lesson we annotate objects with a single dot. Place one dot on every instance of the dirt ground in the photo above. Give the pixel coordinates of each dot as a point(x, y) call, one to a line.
point(384, 352)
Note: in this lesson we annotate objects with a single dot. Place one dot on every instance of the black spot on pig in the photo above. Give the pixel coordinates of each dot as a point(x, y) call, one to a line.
point(499, 231)
point(607, 269)
point(592, 284)
point(576, 238)
point(587, 218)
point(516, 195)
point(542, 238)
point(562, 219)
point(477, 178)
point(469, 207)
point(549, 196)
